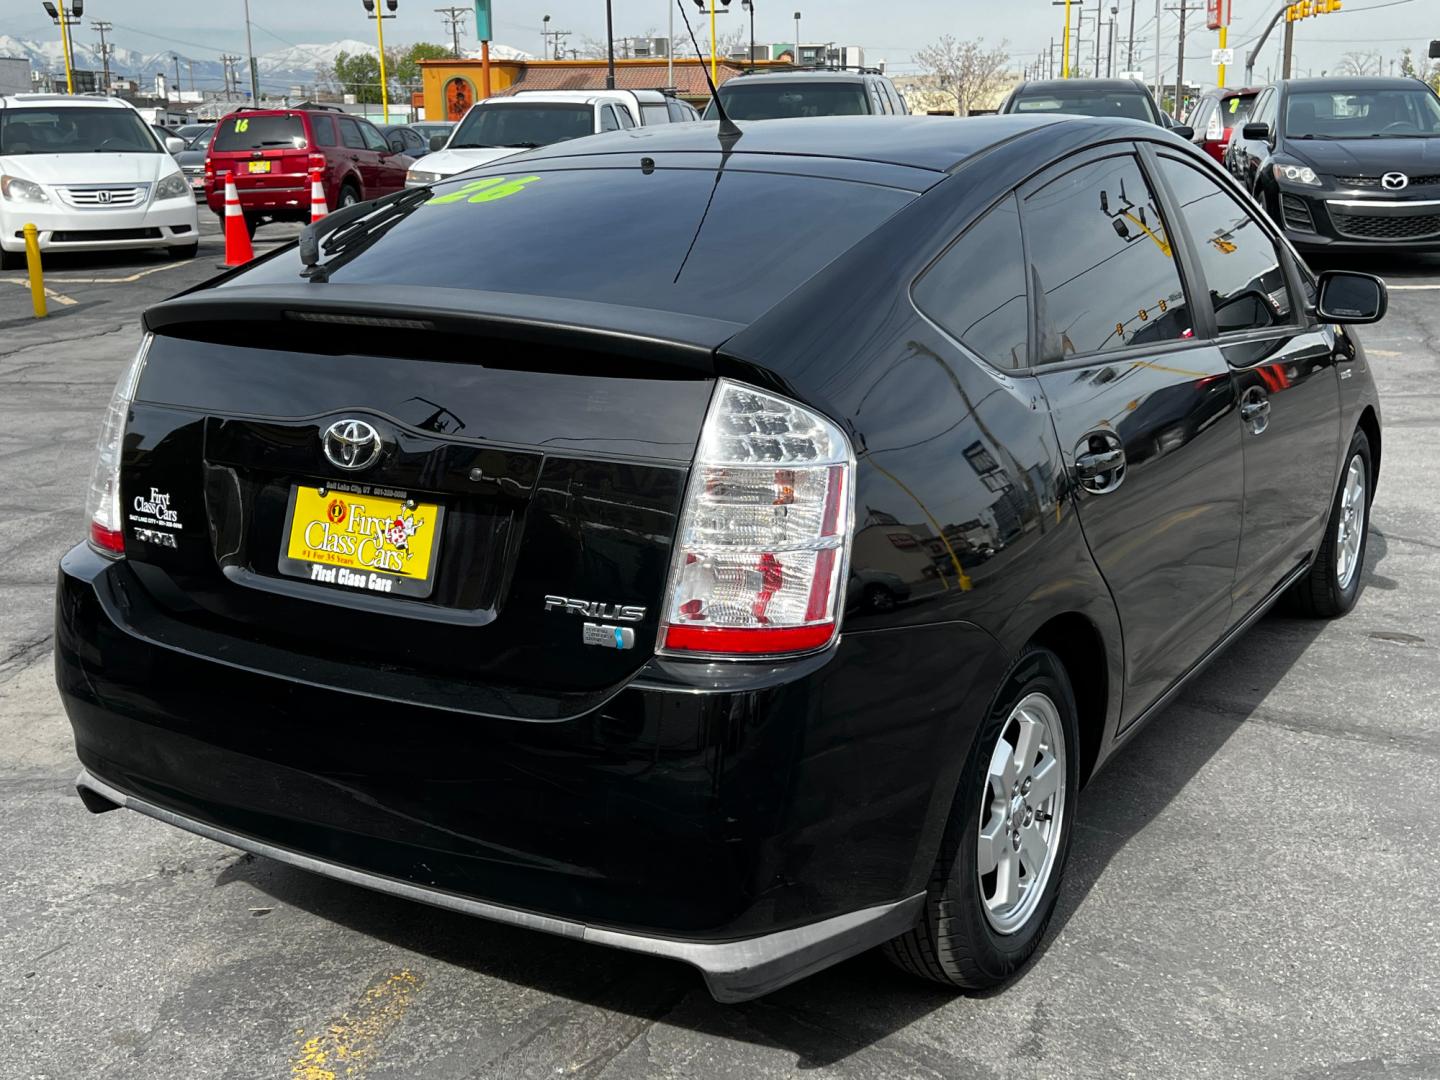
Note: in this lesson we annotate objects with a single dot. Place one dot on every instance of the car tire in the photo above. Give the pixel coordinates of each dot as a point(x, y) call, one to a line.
point(12, 260)
point(349, 196)
point(188, 251)
point(1333, 584)
point(970, 937)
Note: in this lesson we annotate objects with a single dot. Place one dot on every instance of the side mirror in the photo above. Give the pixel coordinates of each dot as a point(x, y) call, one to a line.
point(437, 142)
point(1344, 296)
point(397, 144)
point(1185, 131)
point(174, 145)
point(1256, 131)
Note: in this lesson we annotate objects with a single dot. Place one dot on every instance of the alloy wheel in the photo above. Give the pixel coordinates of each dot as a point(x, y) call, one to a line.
point(1350, 529)
point(1021, 813)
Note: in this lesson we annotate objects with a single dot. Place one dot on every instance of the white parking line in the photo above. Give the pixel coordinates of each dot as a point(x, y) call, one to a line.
point(1397, 288)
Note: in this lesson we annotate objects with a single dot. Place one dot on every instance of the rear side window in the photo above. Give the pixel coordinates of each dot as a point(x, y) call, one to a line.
point(976, 290)
point(1102, 271)
point(260, 133)
point(1242, 268)
point(324, 130)
point(350, 133)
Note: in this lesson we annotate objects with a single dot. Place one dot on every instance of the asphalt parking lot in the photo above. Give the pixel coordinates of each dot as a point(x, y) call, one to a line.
point(1251, 890)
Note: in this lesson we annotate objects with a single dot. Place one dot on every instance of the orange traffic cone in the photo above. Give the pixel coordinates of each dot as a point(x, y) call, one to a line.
point(318, 207)
point(238, 251)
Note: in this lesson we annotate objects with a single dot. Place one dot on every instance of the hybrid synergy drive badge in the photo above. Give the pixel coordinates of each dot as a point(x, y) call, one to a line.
point(610, 637)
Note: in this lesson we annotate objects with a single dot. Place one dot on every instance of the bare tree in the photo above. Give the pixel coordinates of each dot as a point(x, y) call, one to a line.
point(1361, 63)
point(968, 71)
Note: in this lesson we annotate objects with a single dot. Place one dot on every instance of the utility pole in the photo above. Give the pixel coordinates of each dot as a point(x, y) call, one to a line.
point(229, 61)
point(1099, 25)
point(176, 58)
point(1287, 50)
point(1130, 47)
point(1110, 54)
point(1159, 80)
point(102, 28)
point(454, 18)
point(1180, 66)
point(609, 47)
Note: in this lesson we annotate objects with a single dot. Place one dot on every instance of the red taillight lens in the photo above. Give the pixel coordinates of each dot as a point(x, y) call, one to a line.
point(764, 536)
point(102, 505)
point(317, 161)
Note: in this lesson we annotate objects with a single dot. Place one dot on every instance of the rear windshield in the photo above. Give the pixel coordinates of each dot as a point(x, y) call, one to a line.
point(75, 130)
point(775, 101)
point(1092, 103)
point(260, 133)
point(655, 112)
point(674, 239)
point(524, 125)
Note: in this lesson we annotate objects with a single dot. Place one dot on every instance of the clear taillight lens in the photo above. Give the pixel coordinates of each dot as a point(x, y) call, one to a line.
point(764, 537)
point(102, 505)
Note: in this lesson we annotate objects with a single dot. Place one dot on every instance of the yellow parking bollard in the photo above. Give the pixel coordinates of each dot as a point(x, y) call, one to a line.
point(37, 277)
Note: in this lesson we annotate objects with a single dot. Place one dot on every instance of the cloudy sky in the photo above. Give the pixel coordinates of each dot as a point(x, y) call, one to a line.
point(889, 30)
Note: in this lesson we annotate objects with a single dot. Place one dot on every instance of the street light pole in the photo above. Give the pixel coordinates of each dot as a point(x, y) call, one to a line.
point(250, 55)
point(797, 39)
point(63, 17)
point(750, 7)
point(380, 17)
point(610, 47)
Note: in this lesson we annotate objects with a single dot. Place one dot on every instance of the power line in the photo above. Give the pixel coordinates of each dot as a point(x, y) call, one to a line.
point(454, 19)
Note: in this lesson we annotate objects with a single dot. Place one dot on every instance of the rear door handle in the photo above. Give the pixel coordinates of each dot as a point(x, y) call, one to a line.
point(1089, 466)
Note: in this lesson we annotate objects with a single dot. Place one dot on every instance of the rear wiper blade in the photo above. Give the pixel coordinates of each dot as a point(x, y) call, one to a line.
point(342, 231)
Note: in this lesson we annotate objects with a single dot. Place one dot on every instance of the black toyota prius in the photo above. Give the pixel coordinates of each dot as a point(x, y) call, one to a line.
point(490, 547)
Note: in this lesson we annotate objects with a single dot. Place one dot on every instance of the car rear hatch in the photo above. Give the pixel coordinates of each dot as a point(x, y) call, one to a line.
point(265, 152)
point(514, 509)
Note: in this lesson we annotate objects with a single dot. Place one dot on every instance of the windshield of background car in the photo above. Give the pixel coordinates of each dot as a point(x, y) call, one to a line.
point(728, 250)
point(1362, 114)
point(1087, 103)
point(260, 133)
point(539, 124)
point(78, 130)
point(775, 101)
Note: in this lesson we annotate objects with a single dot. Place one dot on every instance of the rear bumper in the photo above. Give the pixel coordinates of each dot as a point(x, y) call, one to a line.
point(759, 829)
point(291, 194)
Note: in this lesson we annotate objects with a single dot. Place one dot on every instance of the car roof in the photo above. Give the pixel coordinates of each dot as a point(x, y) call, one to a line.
point(1051, 86)
point(1353, 82)
point(792, 76)
point(937, 143)
point(581, 96)
point(62, 101)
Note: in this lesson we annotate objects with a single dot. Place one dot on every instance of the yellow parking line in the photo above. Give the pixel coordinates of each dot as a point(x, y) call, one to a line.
point(50, 294)
point(346, 1046)
point(1394, 288)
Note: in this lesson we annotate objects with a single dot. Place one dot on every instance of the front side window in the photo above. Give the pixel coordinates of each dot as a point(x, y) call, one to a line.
point(80, 130)
point(522, 125)
point(624, 115)
point(607, 119)
point(373, 139)
point(1265, 107)
point(1102, 269)
point(1362, 114)
point(976, 290)
point(1242, 267)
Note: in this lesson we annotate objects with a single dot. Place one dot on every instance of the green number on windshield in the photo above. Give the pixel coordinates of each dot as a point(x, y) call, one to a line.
point(242, 125)
point(487, 190)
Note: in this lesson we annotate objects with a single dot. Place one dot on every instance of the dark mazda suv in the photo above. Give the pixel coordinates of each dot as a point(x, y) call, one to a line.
point(518, 586)
point(1345, 163)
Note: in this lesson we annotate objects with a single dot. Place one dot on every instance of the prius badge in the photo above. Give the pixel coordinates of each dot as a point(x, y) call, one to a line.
point(606, 635)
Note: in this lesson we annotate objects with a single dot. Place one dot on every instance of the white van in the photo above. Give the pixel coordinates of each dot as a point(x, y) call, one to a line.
point(90, 175)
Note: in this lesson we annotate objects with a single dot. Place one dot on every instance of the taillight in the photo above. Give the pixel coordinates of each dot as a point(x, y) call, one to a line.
point(209, 169)
point(102, 504)
point(763, 546)
point(317, 161)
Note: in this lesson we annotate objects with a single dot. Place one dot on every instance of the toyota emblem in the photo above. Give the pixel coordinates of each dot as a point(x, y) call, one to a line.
point(351, 444)
point(1394, 181)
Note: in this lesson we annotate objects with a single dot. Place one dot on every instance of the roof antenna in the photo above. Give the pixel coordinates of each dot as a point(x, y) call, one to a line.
point(729, 131)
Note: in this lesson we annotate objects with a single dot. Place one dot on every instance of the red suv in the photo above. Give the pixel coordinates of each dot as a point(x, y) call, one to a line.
point(1217, 115)
point(270, 152)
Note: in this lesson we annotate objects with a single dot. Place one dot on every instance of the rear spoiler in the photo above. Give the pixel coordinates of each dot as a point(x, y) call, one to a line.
point(675, 339)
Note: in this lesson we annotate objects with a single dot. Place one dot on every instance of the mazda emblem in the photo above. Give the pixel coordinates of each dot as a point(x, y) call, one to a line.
point(351, 444)
point(1394, 181)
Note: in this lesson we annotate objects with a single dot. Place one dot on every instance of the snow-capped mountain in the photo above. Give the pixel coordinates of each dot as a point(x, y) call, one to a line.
point(310, 58)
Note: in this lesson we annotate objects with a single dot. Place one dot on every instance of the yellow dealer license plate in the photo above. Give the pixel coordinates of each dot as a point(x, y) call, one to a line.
point(362, 537)
point(259, 166)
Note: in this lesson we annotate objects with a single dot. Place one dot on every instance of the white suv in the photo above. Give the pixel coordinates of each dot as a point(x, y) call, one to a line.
point(90, 175)
point(499, 127)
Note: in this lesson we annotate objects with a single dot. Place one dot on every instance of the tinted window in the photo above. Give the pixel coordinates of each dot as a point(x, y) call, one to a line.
point(976, 290)
point(373, 139)
point(522, 124)
point(877, 100)
point(323, 128)
point(773, 100)
point(260, 132)
point(350, 133)
point(1265, 107)
point(1086, 103)
point(413, 140)
point(1235, 111)
point(1242, 268)
point(764, 235)
point(1102, 273)
point(1361, 114)
point(1200, 116)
